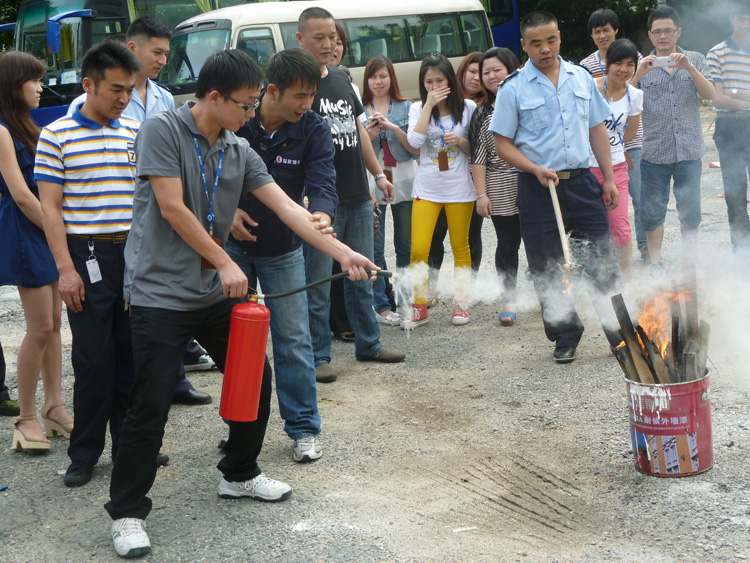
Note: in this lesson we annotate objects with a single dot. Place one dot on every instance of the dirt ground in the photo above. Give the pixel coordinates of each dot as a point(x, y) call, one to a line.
point(477, 448)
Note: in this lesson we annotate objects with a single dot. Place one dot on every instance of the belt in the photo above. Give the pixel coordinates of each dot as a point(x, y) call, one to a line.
point(115, 238)
point(733, 115)
point(570, 174)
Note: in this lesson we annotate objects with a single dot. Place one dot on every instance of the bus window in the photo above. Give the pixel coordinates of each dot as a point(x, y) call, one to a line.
point(103, 28)
point(438, 33)
point(258, 43)
point(289, 34)
point(377, 36)
point(498, 11)
point(187, 54)
point(169, 12)
point(475, 33)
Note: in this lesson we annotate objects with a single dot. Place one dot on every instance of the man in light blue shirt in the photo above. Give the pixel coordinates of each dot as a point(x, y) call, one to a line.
point(148, 39)
point(546, 115)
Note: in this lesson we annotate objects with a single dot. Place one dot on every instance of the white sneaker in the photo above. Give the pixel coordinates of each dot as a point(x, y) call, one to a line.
point(130, 538)
point(204, 363)
point(391, 319)
point(261, 488)
point(307, 448)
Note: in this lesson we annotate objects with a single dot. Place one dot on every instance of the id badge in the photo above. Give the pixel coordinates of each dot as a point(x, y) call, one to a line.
point(95, 273)
point(205, 264)
point(442, 160)
point(388, 175)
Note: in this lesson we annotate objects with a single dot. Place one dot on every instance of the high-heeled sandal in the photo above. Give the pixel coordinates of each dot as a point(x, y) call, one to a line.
point(28, 442)
point(54, 428)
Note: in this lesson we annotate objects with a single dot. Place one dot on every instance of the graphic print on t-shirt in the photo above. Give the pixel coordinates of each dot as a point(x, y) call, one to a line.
point(435, 145)
point(341, 120)
point(613, 128)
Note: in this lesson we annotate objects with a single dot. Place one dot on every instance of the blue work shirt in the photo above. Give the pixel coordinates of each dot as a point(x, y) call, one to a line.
point(157, 100)
point(549, 125)
point(299, 157)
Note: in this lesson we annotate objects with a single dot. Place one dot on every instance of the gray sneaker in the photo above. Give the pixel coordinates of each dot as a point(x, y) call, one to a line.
point(324, 373)
point(260, 488)
point(129, 537)
point(385, 356)
point(307, 448)
point(656, 271)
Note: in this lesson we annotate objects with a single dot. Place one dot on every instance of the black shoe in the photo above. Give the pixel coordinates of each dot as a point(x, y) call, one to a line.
point(564, 354)
point(79, 473)
point(192, 397)
point(345, 337)
point(162, 459)
point(223, 442)
point(10, 408)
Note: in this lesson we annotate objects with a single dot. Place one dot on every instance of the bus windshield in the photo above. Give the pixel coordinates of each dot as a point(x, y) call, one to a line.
point(187, 53)
point(31, 37)
point(169, 12)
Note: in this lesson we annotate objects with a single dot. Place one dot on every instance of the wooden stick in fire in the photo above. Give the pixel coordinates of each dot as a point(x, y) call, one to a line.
point(628, 334)
point(569, 265)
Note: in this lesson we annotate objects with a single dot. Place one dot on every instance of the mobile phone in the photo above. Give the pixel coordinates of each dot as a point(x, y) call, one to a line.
point(370, 120)
point(662, 62)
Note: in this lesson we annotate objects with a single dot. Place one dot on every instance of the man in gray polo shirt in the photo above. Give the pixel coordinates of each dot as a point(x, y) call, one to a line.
point(191, 172)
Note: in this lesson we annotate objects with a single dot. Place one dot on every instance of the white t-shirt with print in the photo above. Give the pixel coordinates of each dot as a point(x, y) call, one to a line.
point(622, 110)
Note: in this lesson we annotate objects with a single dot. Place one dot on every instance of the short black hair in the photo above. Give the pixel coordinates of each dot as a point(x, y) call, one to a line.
point(228, 71)
point(536, 19)
point(602, 17)
point(116, 38)
point(148, 27)
point(313, 13)
point(664, 13)
point(293, 66)
point(108, 55)
point(620, 50)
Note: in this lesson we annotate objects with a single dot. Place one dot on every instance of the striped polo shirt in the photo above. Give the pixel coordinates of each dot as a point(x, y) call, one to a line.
point(95, 165)
point(730, 67)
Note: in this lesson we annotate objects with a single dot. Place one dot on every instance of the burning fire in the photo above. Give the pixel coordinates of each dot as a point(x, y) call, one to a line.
point(656, 319)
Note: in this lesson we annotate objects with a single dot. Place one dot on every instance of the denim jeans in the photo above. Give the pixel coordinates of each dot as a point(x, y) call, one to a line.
point(655, 179)
point(401, 213)
point(353, 226)
point(290, 338)
point(732, 138)
point(636, 196)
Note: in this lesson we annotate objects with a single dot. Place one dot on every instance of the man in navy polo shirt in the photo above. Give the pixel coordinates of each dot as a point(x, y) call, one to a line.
point(297, 148)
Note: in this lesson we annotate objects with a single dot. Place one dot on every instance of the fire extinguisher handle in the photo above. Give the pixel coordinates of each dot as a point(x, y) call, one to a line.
point(381, 273)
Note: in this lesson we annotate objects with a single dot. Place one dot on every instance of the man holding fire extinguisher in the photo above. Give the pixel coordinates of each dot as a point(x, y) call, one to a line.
point(191, 173)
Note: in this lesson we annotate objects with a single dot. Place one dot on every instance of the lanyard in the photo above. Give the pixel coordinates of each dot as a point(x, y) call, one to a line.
point(601, 66)
point(442, 129)
point(210, 217)
point(614, 121)
point(388, 115)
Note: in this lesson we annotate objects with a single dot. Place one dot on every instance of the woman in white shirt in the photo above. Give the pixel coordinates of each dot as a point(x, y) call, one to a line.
point(626, 102)
point(439, 128)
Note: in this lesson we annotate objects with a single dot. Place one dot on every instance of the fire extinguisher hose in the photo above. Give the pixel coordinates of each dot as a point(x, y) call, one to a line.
point(381, 273)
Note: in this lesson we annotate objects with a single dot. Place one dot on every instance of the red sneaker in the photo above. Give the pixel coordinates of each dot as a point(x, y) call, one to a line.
point(460, 314)
point(418, 318)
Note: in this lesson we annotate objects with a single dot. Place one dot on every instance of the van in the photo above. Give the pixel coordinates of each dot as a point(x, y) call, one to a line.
point(405, 32)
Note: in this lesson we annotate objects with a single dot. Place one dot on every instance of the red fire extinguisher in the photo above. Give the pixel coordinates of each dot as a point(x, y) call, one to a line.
point(246, 353)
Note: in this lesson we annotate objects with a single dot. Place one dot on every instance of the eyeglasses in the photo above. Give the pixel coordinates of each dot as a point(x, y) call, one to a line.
point(245, 107)
point(669, 32)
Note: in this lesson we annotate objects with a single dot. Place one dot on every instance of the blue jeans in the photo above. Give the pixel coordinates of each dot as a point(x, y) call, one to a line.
point(401, 213)
point(655, 180)
point(636, 196)
point(353, 225)
point(292, 348)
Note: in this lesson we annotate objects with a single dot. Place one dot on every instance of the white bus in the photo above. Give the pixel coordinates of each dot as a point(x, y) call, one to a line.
point(405, 32)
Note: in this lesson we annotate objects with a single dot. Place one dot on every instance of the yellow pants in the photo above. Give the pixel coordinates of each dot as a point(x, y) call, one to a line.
point(424, 216)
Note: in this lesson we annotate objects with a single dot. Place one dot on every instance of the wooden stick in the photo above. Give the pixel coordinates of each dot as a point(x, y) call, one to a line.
point(560, 224)
point(628, 359)
point(657, 362)
point(705, 333)
point(691, 367)
point(621, 360)
point(628, 333)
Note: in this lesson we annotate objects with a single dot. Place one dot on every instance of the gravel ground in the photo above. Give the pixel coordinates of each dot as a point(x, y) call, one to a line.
point(477, 448)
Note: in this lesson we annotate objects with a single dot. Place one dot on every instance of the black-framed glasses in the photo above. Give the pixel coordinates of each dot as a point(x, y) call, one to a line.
point(246, 107)
point(668, 32)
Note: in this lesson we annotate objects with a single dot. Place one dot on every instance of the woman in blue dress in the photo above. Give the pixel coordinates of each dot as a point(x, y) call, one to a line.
point(25, 258)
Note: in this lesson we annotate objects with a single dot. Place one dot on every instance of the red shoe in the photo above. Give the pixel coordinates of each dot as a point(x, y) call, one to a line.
point(418, 318)
point(460, 314)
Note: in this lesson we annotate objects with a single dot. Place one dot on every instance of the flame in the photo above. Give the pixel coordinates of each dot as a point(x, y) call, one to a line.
point(656, 319)
point(567, 285)
point(620, 345)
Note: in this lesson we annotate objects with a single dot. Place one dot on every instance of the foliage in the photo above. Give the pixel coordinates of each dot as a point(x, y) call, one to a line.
point(8, 14)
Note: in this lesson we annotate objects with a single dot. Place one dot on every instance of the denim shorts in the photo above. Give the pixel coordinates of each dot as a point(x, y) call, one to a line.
point(655, 183)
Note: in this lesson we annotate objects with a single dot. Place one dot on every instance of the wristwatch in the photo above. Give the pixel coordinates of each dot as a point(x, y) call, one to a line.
point(734, 92)
point(379, 176)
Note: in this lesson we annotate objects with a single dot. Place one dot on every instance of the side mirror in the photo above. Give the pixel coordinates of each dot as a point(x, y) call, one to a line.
point(53, 28)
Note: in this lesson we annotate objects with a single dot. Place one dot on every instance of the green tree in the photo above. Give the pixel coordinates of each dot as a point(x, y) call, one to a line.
point(8, 14)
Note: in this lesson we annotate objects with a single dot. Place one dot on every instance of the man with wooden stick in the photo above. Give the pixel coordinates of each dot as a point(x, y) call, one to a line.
point(545, 116)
